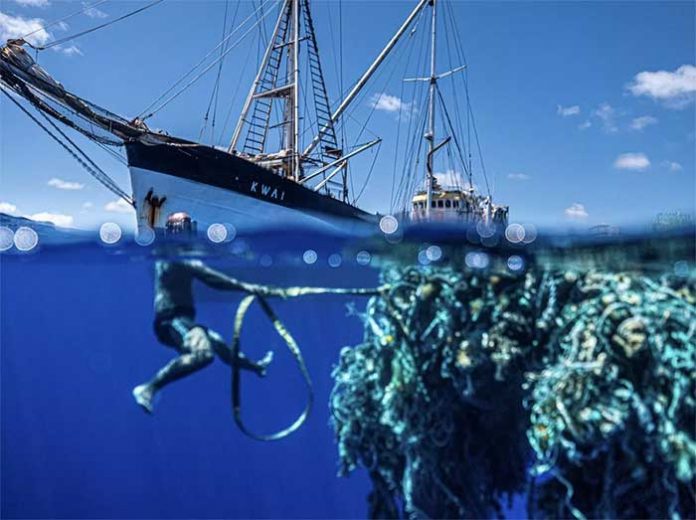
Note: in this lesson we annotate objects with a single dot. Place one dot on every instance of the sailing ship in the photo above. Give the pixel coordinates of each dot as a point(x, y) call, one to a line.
point(256, 181)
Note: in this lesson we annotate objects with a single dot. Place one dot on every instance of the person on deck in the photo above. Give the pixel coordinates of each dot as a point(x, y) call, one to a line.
point(175, 326)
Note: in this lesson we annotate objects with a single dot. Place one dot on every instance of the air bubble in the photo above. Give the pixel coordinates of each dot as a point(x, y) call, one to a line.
point(515, 263)
point(310, 256)
point(6, 238)
point(434, 253)
point(335, 260)
point(388, 224)
point(145, 236)
point(363, 258)
point(25, 238)
point(423, 258)
point(217, 233)
point(515, 233)
point(477, 260)
point(110, 233)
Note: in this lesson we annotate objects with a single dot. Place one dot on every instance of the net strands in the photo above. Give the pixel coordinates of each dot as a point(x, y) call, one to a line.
point(466, 380)
point(20, 73)
point(261, 294)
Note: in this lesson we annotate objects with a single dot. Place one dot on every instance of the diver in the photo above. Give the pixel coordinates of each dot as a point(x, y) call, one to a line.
point(175, 324)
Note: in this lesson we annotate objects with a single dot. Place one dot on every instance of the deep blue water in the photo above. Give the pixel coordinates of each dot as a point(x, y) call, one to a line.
point(77, 336)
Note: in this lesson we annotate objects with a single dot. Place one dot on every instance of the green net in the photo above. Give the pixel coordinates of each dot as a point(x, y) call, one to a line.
point(466, 380)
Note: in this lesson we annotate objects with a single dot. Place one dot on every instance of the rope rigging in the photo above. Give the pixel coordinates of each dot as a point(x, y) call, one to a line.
point(93, 29)
point(153, 107)
point(86, 8)
point(76, 152)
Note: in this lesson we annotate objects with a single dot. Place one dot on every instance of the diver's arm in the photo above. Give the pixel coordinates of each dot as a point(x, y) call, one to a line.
point(218, 280)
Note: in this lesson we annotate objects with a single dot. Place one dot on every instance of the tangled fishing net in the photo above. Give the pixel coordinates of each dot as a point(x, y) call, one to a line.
point(576, 388)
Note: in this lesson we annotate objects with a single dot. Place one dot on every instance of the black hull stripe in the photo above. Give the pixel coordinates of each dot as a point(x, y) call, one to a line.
point(217, 168)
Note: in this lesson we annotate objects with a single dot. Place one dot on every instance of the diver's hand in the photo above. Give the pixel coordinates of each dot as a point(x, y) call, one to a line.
point(197, 339)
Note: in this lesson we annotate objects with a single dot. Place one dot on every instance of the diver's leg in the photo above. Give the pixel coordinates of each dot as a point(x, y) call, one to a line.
point(225, 353)
point(196, 354)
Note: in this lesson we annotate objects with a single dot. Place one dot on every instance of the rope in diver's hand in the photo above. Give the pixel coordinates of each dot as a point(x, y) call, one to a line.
point(259, 292)
point(236, 380)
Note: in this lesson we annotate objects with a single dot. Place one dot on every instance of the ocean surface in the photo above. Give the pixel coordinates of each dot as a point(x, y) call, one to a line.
point(77, 335)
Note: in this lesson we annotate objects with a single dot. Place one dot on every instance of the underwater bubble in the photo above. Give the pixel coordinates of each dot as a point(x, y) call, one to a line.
point(477, 260)
point(530, 233)
point(6, 238)
point(515, 233)
point(363, 257)
point(423, 257)
point(310, 256)
point(217, 233)
point(110, 232)
point(388, 224)
point(485, 230)
point(472, 235)
point(515, 263)
point(25, 238)
point(394, 238)
point(490, 241)
point(265, 261)
point(434, 253)
point(145, 236)
point(239, 247)
point(335, 260)
point(681, 268)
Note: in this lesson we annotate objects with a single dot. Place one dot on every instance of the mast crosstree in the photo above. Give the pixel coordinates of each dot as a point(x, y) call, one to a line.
point(278, 80)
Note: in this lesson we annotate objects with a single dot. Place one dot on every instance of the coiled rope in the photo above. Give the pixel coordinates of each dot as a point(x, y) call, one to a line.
point(260, 293)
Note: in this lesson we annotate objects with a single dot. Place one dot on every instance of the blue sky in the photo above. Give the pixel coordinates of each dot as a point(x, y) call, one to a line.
point(585, 110)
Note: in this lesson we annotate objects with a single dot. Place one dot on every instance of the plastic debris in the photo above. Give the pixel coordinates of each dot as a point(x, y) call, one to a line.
point(575, 388)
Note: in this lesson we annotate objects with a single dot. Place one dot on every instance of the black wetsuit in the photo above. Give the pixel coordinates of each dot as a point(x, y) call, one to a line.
point(174, 308)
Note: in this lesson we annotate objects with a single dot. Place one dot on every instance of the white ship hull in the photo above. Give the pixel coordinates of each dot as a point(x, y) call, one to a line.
point(207, 205)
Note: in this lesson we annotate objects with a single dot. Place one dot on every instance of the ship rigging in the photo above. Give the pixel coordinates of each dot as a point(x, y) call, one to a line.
point(270, 173)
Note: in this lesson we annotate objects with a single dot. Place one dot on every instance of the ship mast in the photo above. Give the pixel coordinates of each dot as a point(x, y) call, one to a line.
point(295, 50)
point(432, 79)
point(429, 175)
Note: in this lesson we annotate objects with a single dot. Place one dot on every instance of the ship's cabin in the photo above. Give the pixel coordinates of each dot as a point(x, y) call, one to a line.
point(457, 205)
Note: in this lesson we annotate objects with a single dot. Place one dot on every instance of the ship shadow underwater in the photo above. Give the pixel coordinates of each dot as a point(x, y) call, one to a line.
point(466, 382)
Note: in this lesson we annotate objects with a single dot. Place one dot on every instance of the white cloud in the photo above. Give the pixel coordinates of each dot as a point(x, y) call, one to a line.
point(518, 176)
point(65, 185)
point(93, 12)
point(118, 206)
point(576, 211)
point(6, 207)
point(676, 88)
point(454, 179)
point(567, 111)
point(33, 3)
point(632, 161)
point(63, 26)
point(58, 219)
point(673, 166)
point(641, 122)
point(606, 113)
point(87, 205)
point(72, 50)
point(17, 27)
point(389, 103)
point(584, 126)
